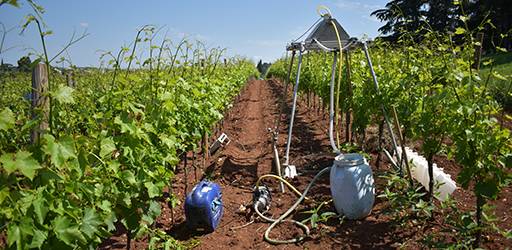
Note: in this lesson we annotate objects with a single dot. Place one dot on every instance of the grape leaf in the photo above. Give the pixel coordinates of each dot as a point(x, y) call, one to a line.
point(59, 152)
point(13, 234)
point(40, 209)
point(7, 119)
point(107, 147)
point(153, 190)
point(66, 231)
point(64, 94)
point(90, 222)
point(38, 238)
point(21, 161)
point(460, 31)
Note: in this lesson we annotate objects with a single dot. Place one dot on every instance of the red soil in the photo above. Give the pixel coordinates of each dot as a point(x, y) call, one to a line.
point(249, 155)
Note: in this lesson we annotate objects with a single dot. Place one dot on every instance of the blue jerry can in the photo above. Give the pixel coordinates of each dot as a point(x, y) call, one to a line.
point(203, 206)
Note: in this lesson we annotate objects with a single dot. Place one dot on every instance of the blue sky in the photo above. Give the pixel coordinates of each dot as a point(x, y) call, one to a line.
point(255, 29)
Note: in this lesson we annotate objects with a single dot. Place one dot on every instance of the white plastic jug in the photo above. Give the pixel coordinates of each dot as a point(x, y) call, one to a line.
point(352, 186)
point(419, 171)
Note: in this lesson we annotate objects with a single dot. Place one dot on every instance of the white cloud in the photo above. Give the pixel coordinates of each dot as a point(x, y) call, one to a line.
point(266, 43)
point(176, 33)
point(201, 37)
point(370, 18)
point(84, 24)
point(356, 5)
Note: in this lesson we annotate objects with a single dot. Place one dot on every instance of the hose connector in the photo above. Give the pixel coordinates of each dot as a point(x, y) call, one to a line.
point(261, 198)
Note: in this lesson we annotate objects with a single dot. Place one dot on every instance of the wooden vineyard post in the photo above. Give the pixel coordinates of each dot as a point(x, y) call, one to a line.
point(194, 165)
point(314, 102)
point(478, 51)
point(206, 146)
point(308, 99)
point(401, 138)
point(217, 130)
point(319, 105)
point(185, 172)
point(380, 138)
point(70, 79)
point(40, 101)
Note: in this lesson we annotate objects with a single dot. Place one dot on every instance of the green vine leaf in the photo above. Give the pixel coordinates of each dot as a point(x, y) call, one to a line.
point(460, 31)
point(107, 147)
point(21, 161)
point(7, 119)
point(59, 151)
point(153, 190)
point(90, 222)
point(64, 94)
point(13, 234)
point(66, 231)
point(38, 238)
point(40, 209)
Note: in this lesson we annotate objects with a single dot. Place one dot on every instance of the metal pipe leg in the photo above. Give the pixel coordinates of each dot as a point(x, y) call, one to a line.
point(386, 117)
point(295, 89)
point(278, 123)
point(278, 167)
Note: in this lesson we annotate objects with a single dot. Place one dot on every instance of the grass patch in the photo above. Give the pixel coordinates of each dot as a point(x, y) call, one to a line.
point(500, 82)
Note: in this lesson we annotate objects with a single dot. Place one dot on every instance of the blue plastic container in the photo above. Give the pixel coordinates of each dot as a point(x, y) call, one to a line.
point(203, 206)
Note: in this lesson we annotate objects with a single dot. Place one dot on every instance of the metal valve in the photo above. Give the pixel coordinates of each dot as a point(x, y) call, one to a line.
point(261, 198)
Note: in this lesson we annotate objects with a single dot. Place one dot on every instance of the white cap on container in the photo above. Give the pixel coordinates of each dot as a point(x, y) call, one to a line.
point(349, 160)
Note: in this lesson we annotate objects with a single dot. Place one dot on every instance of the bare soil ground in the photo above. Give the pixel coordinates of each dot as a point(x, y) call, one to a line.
point(249, 155)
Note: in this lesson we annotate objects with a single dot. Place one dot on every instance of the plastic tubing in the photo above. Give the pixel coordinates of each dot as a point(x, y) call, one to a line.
point(323, 7)
point(339, 81)
point(298, 223)
point(282, 181)
point(288, 212)
point(331, 108)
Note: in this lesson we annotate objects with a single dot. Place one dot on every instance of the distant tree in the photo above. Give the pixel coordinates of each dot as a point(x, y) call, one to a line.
point(24, 64)
point(3, 67)
point(259, 67)
point(11, 2)
point(499, 12)
point(442, 15)
point(400, 16)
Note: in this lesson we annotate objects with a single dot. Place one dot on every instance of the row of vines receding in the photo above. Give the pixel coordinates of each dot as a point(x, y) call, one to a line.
point(114, 139)
point(442, 101)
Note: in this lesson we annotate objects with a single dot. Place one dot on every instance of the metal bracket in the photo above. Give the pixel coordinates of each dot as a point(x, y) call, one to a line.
point(222, 141)
point(290, 171)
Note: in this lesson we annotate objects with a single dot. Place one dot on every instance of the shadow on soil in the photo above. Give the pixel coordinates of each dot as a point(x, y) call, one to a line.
point(182, 232)
point(310, 156)
point(303, 141)
point(245, 174)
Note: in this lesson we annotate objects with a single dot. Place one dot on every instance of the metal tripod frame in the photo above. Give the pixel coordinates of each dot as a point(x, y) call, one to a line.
point(313, 44)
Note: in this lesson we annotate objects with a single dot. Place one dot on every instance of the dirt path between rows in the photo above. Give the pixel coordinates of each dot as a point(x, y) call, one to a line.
point(249, 155)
